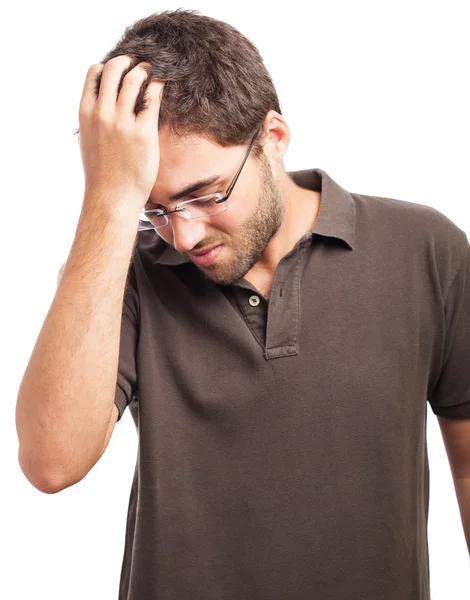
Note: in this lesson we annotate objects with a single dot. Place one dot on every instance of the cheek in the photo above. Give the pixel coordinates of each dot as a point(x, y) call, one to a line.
point(229, 222)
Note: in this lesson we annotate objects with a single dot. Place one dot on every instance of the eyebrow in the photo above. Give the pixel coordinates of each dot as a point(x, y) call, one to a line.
point(194, 187)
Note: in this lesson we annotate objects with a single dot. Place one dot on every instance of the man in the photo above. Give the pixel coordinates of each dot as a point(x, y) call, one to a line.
point(280, 340)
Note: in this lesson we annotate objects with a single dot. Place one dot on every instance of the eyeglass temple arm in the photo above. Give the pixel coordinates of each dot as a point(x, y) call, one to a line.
point(241, 167)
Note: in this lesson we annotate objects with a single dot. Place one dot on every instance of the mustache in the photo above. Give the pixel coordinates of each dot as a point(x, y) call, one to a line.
point(208, 243)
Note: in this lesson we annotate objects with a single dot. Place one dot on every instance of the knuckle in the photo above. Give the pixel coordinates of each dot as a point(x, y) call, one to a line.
point(84, 113)
point(143, 135)
point(101, 117)
point(122, 128)
point(140, 135)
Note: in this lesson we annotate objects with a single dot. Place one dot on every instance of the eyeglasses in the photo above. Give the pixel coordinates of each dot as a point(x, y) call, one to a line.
point(196, 208)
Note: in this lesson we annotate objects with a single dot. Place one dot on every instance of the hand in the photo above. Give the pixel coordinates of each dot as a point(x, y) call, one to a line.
point(120, 151)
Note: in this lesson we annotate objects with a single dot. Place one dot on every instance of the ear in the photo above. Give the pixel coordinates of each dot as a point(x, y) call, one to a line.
point(278, 136)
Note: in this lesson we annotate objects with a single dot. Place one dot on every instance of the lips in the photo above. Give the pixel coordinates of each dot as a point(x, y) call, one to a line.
point(203, 258)
point(202, 252)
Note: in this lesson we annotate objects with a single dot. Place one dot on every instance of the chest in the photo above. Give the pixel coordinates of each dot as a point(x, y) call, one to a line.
point(330, 329)
point(324, 372)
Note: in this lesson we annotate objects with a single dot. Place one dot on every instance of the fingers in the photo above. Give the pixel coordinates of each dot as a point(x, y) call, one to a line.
point(153, 95)
point(101, 94)
point(131, 85)
point(113, 72)
point(88, 99)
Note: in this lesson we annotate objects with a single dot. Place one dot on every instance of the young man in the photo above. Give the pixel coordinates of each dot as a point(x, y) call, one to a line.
point(276, 338)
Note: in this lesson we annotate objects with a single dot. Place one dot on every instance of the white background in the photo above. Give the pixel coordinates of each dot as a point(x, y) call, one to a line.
point(375, 93)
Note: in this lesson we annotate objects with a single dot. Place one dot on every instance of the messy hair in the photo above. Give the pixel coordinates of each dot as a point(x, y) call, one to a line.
point(216, 84)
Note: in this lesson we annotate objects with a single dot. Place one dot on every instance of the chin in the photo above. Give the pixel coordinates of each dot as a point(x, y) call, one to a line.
point(220, 275)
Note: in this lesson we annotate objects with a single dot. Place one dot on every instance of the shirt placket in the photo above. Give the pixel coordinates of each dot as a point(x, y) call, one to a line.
point(275, 323)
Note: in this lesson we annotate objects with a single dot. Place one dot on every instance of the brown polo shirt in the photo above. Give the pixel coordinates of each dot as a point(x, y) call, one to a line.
point(282, 443)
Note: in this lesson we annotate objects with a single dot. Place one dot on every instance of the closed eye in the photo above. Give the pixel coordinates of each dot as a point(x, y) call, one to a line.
point(151, 206)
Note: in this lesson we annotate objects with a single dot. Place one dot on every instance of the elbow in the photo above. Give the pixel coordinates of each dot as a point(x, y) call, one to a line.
point(40, 478)
point(46, 487)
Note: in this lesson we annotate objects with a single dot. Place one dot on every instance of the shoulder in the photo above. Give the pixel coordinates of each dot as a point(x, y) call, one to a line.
point(421, 217)
point(416, 227)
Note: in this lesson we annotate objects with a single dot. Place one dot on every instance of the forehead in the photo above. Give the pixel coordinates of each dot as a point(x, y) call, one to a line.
point(186, 160)
point(176, 151)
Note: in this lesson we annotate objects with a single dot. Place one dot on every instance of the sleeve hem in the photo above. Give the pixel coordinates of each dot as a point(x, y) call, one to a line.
point(458, 411)
point(120, 401)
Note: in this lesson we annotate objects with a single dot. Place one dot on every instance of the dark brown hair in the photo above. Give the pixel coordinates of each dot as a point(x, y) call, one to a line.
point(217, 85)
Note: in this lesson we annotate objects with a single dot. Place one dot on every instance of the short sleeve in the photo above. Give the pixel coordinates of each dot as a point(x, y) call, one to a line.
point(451, 395)
point(126, 384)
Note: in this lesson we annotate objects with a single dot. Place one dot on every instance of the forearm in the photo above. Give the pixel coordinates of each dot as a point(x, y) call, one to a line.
point(462, 490)
point(66, 396)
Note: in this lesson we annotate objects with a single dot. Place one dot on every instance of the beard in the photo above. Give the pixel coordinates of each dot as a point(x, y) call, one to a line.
point(256, 231)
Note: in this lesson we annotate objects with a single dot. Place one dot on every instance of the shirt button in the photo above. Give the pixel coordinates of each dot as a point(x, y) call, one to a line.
point(254, 300)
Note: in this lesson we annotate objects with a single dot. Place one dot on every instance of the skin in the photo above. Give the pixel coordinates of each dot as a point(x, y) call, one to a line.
point(267, 215)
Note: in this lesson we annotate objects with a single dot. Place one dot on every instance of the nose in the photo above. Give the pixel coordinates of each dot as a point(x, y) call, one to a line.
point(186, 232)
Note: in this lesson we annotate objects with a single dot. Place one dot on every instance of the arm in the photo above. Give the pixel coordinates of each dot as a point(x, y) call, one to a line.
point(64, 412)
point(456, 436)
point(462, 490)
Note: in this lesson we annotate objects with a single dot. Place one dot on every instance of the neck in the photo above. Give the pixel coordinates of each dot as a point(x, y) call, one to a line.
point(301, 207)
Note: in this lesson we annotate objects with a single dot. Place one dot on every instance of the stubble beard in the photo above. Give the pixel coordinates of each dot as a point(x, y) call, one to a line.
point(255, 233)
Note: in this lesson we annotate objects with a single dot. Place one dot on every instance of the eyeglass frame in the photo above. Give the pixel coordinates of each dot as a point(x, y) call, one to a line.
point(178, 207)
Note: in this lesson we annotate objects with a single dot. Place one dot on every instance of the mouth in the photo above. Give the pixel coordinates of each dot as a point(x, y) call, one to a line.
point(203, 258)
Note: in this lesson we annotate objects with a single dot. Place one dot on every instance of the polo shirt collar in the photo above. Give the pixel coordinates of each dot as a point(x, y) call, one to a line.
point(336, 217)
